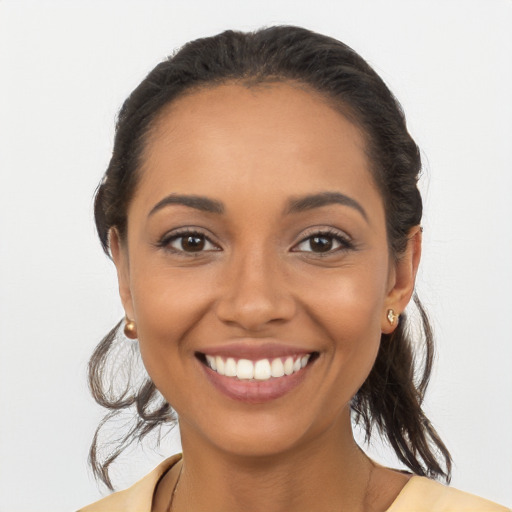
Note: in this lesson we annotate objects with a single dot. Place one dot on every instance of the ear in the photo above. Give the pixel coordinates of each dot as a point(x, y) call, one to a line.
point(119, 253)
point(402, 279)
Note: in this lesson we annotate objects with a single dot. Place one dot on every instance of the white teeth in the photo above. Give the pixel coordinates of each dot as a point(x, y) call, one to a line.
point(245, 369)
point(211, 362)
point(304, 360)
point(219, 362)
point(263, 369)
point(230, 367)
point(288, 366)
point(277, 368)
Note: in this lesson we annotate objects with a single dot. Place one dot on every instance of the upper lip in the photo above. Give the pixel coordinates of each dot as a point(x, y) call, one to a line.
point(255, 350)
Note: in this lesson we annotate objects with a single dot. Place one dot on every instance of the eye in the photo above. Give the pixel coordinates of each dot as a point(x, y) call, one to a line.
point(323, 242)
point(189, 242)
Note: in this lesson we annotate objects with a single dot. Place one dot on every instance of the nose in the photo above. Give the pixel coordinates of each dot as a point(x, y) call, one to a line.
point(254, 293)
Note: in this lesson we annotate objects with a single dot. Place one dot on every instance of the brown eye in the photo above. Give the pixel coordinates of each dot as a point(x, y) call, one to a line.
point(321, 243)
point(193, 243)
point(188, 242)
point(324, 243)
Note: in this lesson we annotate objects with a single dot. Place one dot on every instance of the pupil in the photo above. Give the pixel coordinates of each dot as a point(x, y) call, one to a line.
point(321, 243)
point(192, 243)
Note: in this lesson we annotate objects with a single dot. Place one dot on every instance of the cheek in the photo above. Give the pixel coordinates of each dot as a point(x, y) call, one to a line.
point(354, 325)
point(351, 299)
point(166, 301)
point(349, 311)
point(167, 310)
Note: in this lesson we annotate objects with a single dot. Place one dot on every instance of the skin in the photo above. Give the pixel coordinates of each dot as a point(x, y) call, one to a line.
point(259, 278)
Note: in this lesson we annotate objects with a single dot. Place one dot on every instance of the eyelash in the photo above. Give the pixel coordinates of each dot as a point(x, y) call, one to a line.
point(167, 239)
point(344, 242)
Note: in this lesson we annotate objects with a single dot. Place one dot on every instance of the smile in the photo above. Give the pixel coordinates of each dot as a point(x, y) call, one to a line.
point(256, 373)
point(259, 379)
point(260, 370)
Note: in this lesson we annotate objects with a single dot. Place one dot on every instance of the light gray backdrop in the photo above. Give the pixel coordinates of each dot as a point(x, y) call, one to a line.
point(67, 66)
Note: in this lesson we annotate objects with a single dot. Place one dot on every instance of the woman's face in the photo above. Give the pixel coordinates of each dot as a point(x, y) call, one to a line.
point(256, 243)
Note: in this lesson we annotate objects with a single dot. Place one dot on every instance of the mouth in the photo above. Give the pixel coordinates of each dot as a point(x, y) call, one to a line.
point(259, 370)
point(256, 381)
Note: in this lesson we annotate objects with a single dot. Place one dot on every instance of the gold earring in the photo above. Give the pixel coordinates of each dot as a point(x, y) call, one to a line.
point(392, 316)
point(130, 329)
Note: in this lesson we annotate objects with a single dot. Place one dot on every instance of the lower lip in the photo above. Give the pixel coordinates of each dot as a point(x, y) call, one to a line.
point(254, 391)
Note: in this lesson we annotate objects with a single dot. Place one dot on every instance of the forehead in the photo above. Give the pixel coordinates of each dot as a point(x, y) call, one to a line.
point(278, 135)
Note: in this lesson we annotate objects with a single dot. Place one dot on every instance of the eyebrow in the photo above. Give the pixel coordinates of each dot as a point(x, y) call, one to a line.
point(296, 205)
point(311, 201)
point(202, 203)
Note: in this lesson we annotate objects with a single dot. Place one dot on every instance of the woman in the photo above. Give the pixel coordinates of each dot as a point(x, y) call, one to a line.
point(262, 212)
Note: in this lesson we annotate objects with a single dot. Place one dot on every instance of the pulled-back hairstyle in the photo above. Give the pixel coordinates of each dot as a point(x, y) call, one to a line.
point(390, 400)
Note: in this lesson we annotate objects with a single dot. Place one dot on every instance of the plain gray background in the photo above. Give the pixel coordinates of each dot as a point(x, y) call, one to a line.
point(67, 66)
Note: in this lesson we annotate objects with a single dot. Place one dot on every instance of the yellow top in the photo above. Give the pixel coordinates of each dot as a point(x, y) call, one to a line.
point(420, 494)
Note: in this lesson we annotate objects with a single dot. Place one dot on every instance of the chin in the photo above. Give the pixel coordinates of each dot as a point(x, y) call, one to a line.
point(264, 434)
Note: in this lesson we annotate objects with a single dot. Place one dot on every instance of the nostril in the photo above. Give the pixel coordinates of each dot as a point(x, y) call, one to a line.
point(257, 312)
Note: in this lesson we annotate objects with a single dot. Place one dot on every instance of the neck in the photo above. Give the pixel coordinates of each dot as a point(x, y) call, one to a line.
point(330, 473)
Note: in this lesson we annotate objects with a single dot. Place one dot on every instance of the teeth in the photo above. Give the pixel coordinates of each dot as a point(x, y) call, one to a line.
point(277, 368)
point(211, 362)
point(244, 369)
point(288, 366)
point(219, 363)
point(263, 369)
point(230, 368)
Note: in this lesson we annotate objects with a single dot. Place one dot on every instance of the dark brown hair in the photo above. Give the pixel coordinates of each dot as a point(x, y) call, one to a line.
point(390, 400)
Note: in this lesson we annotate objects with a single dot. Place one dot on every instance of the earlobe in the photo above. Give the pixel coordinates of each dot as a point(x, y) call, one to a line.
point(119, 253)
point(406, 268)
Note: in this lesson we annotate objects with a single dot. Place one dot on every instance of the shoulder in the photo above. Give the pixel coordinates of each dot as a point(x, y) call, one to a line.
point(138, 497)
point(424, 495)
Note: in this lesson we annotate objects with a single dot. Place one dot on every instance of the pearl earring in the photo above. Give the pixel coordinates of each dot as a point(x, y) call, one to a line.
point(130, 329)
